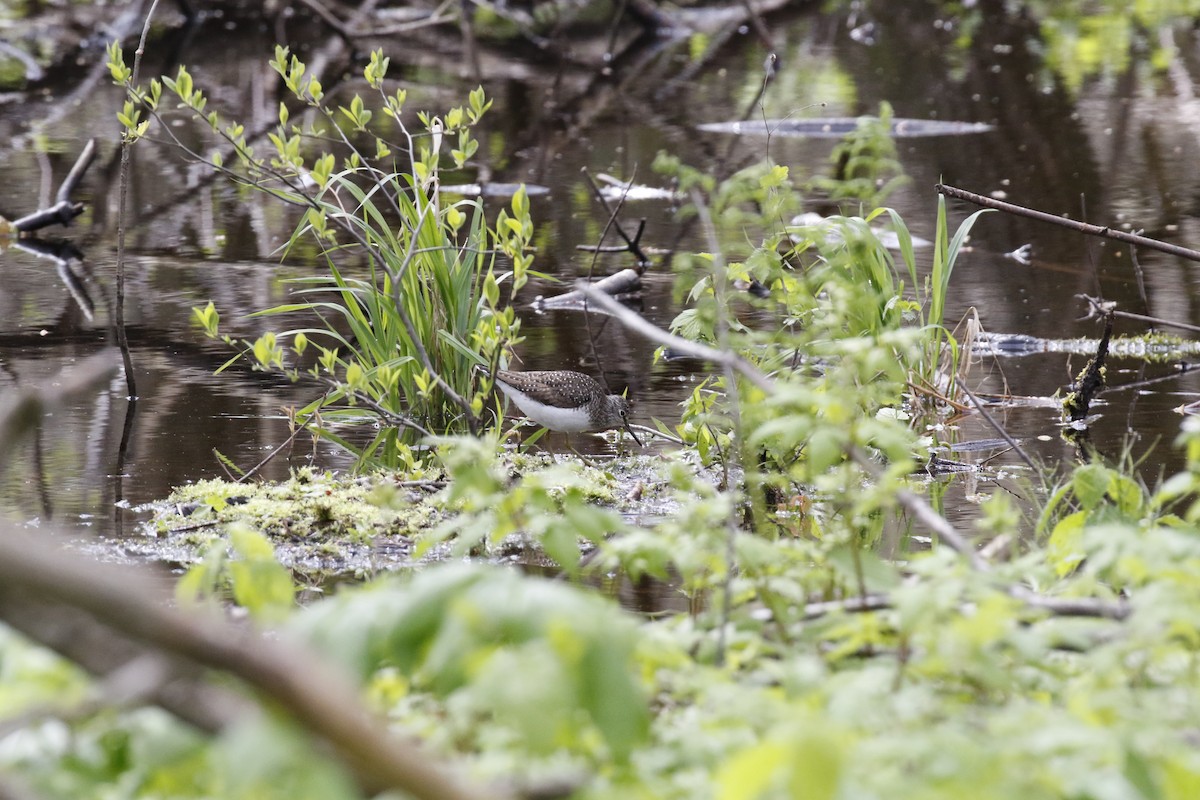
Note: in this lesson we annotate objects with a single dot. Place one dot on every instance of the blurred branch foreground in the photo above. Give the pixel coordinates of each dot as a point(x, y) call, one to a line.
point(121, 627)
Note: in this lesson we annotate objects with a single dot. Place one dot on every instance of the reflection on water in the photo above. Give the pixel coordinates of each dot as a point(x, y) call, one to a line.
point(1118, 151)
point(644, 594)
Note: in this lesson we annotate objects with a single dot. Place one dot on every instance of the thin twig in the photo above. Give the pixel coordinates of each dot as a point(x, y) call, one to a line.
point(1072, 606)
point(856, 604)
point(291, 438)
point(122, 203)
point(657, 432)
point(195, 526)
point(983, 412)
point(587, 313)
point(1056, 606)
point(734, 403)
point(330, 19)
point(1081, 227)
point(437, 16)
point(639, 324)
point(1098, 305)
point(632, 243)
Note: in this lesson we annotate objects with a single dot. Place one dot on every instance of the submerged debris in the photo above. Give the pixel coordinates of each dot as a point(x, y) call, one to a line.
point(495, 189)
point(616, 189)
point(1155, 347)
point(1090, 381)
point(831, 230)
point(621, 285)
point(837, 127)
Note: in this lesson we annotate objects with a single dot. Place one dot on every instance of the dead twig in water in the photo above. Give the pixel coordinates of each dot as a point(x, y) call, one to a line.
point(631, 243)
point(983, 412)
point(295, 432)
point(1081, 227)
point(63, 210)
point(1056, 606)
point(1090, 381)
point(122, 205)
point(1098, 306)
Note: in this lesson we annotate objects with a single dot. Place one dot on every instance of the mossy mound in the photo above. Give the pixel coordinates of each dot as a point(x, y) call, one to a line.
point(325, 524)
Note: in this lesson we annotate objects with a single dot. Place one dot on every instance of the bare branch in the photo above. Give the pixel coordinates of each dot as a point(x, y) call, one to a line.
point(317, 698)
point(996, 426)
point(1081, 227)
point(63, 210)
point(1102, 307)
point(639, 324)
point(631, 243)
point(1072, 606)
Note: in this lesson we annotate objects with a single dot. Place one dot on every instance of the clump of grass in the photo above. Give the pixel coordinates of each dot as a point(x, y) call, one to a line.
point(402, 339)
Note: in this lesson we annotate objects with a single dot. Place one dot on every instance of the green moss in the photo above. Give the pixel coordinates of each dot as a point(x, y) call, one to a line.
point(309, 507)
point(327, 523)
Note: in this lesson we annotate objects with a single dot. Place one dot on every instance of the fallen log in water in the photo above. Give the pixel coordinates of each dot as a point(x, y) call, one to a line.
point(626, 282)
point(63, 210)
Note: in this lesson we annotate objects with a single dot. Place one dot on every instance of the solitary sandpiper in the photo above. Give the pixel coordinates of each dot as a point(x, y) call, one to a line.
point(565, 401)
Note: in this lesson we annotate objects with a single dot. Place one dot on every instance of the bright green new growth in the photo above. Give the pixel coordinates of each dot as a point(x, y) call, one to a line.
point(852, 352)
point(1059, 661)
point(402, 340)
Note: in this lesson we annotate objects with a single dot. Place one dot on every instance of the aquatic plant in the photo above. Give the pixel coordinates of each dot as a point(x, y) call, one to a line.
point(402, 341)
point(866, 165)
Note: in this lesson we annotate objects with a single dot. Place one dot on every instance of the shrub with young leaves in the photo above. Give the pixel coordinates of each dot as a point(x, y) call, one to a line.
point(551, 664)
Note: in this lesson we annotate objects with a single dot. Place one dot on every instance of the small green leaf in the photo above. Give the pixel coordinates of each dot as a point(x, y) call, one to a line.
point(260, 584)
point(208, 318)
point(747, 775)
point(264, 349)
point(1090, 484)
point(825, 448)
point(1065, 547)
point(491, 290)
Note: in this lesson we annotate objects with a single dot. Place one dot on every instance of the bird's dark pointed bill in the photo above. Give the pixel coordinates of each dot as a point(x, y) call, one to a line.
point(631, 433)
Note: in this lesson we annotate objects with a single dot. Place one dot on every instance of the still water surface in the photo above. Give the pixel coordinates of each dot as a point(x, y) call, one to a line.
point(1119, 150)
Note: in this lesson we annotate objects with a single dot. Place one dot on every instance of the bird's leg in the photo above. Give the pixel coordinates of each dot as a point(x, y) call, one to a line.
point(587, 461)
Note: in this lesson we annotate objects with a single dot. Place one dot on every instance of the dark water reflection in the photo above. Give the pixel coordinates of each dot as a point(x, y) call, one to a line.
point(1123, 150)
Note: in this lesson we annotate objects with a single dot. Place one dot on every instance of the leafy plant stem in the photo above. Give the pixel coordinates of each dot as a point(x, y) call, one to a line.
point(126, 145)
point(733, 402)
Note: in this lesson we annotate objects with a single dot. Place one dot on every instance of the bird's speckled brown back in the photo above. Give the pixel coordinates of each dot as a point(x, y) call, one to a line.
point(558, 388)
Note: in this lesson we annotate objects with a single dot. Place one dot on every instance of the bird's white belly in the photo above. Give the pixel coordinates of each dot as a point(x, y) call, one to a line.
point(566, 420)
